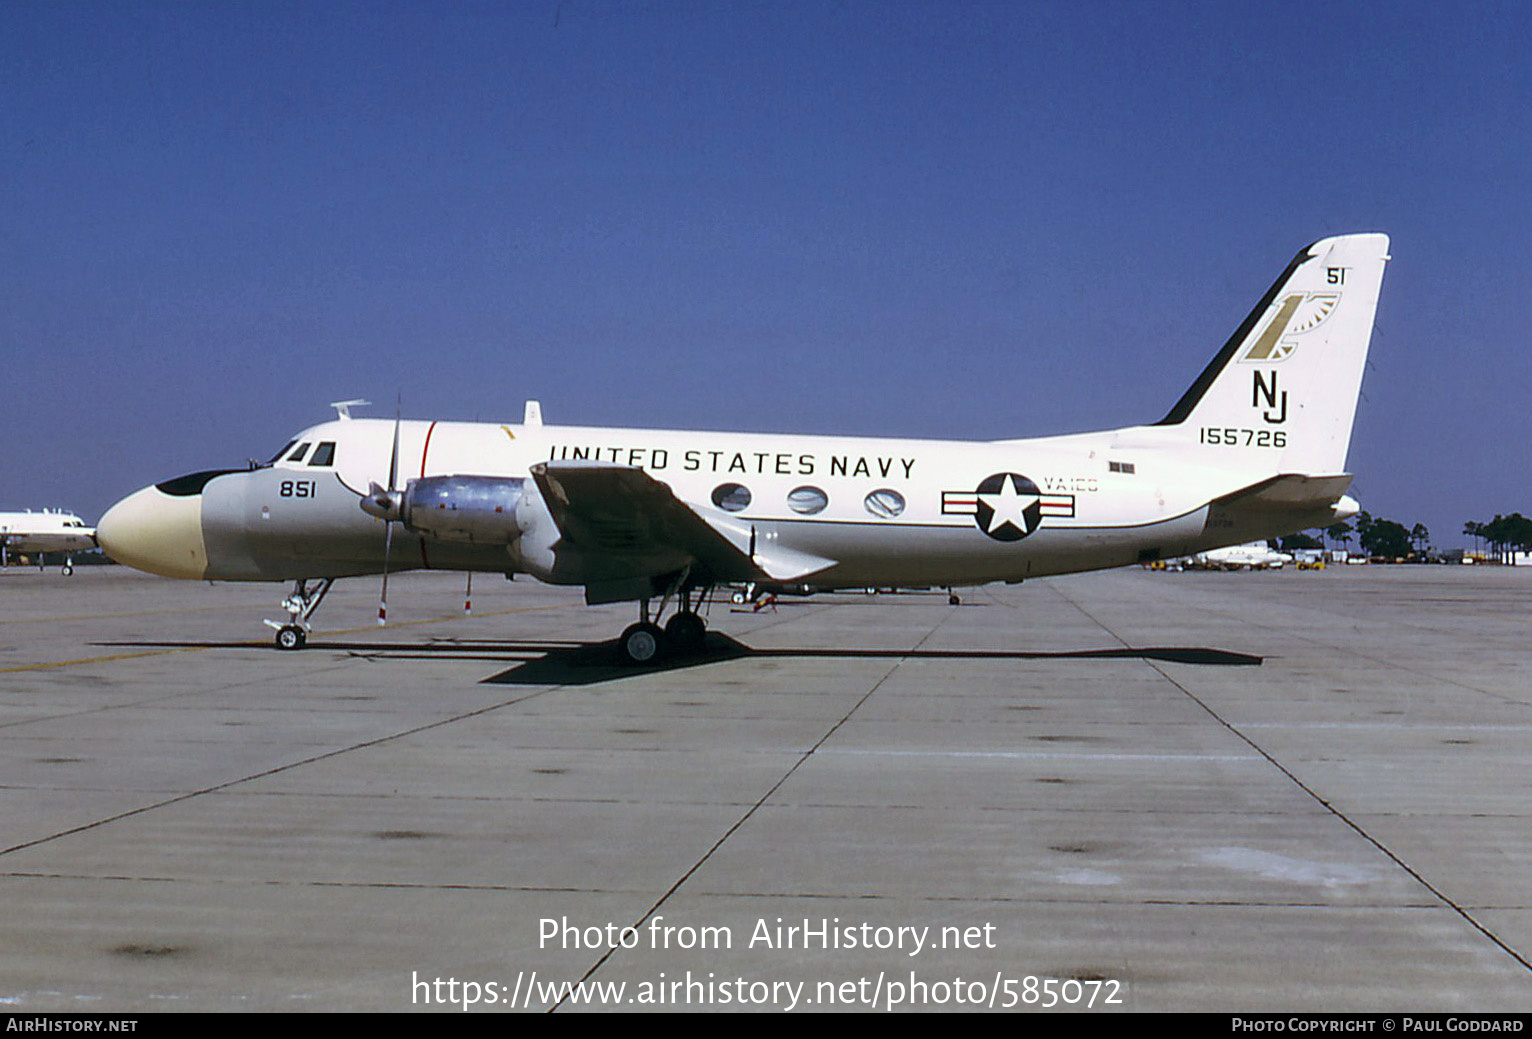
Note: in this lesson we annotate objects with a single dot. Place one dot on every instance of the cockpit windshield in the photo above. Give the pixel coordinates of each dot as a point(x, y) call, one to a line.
point(296, 452)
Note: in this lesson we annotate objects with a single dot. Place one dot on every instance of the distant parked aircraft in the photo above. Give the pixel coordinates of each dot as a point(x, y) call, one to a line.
point(34, 533)
point(1257, 555)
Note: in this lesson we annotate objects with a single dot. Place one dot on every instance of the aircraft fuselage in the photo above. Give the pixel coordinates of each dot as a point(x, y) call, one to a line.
point(885, 511)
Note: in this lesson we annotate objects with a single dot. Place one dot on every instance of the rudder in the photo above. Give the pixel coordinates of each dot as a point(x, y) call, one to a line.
point(1285, 385)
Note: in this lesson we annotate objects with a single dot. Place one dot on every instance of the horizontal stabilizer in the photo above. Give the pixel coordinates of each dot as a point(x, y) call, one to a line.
point(1280, 505)
point(1291, 491)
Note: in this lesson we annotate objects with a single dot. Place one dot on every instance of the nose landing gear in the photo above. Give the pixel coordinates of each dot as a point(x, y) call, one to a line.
point(300, 606)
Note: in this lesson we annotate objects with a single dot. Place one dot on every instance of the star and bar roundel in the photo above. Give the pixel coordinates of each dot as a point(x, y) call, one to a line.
point(1007, 506)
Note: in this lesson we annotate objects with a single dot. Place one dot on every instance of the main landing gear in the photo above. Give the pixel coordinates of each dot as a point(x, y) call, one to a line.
point(642, 643)
point(300, 606)
point(647, 643)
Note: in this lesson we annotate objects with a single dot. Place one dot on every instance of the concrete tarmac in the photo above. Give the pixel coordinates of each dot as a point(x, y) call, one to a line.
point(1143, 791)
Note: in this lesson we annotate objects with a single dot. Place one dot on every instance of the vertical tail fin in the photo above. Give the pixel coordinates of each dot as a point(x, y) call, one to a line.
point(1284, 387)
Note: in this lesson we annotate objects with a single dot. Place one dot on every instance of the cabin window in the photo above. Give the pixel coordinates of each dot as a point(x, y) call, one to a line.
point(806, 501)
point(297, 455)
point(282, 453)
point(884, 503)
point(731, 497)
point(324, 454)
point(1120, 467)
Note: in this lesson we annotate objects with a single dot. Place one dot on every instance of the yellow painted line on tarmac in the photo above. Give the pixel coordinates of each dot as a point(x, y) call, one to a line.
point(49, 665)
point(124, 613)
point(448, 617)
point(54, 664)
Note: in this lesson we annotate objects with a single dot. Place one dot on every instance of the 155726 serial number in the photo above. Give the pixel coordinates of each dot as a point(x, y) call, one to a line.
point(1231, 437)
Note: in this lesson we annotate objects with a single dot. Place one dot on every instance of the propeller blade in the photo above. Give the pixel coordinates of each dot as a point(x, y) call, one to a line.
point(390, 510)
point(393, 459)
point(388, 545)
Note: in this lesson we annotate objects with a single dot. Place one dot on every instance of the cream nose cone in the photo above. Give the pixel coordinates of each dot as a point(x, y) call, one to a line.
point(157, 532)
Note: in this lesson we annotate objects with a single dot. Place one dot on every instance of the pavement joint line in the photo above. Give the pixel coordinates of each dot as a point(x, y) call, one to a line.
point(117, 615)
point(1354, 826)
point(1450, 812)
point(836, 896)
point(253, 644)
point(276, 770)
point(1037, 755)
point(750, 813)
point(154, 700)
point(1381, 661)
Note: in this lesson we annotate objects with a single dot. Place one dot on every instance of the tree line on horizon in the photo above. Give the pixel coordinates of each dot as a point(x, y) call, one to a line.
point(1379, 537)
point(1503, 535)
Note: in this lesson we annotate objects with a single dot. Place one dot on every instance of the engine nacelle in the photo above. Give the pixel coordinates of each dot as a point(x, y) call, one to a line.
point(480, 510)
point(535, 552)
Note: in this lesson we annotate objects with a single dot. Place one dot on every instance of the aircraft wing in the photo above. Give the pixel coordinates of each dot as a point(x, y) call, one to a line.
point(627, 519)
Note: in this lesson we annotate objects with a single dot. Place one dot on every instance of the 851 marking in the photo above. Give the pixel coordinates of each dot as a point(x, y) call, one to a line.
point(298, 489)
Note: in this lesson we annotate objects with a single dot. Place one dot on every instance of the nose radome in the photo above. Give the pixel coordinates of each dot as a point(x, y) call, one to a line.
point(157, 532)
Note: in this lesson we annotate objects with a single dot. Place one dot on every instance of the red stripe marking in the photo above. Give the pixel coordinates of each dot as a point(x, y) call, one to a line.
point(427, 449)
point(424, 451)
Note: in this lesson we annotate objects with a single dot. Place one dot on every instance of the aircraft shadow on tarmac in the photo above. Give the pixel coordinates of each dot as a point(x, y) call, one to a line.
point(551, 662)
point(598, 662)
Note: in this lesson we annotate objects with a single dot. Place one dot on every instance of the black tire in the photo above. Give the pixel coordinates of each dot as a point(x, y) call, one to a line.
point(686, 631)
point(291, 637)
point(642, 643)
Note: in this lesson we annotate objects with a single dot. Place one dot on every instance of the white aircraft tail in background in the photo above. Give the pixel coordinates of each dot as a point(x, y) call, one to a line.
point(1255, 448)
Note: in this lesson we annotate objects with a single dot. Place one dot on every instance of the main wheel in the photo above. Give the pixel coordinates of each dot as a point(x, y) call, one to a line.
point(291, 637)
point(686, 631)
point(642, 643)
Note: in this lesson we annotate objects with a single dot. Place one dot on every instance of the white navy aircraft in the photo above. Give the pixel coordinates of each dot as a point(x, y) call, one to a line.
point(45, 531)
point(1257, 555)
point(1255, 448)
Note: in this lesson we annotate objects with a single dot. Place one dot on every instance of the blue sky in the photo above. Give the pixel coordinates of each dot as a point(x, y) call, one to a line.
point(958, 220)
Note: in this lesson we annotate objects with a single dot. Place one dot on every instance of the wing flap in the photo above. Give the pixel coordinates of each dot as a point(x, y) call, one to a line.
point(635, 523)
